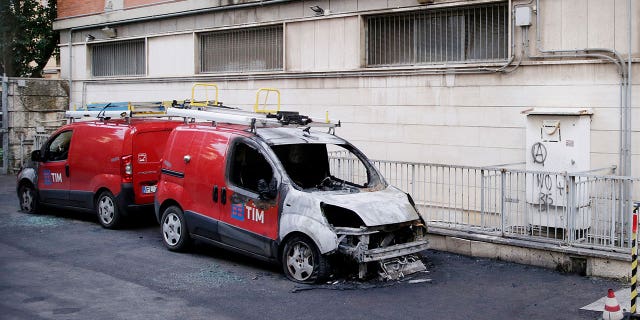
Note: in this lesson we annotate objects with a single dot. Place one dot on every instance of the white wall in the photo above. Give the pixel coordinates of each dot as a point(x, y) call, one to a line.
point(171, 55)
point(321, 45)
point(575, 24)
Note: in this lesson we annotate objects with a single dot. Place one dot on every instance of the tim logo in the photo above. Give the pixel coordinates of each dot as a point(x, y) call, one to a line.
point(237, 211)
point(51, 177)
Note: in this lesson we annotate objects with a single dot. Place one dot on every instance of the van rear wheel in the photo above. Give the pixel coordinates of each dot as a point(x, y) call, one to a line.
point(302, 261)
point(175, 234)
point(28, 198)
point(108, 214)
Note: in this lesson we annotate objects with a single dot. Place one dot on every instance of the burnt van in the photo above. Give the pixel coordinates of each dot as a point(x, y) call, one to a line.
point(110, 167)
point(274, 193)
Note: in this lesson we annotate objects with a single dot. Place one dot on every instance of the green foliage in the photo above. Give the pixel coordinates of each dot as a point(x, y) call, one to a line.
point(27, 38)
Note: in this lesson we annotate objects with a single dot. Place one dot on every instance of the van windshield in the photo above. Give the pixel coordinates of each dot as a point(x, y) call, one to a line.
point(327, 167)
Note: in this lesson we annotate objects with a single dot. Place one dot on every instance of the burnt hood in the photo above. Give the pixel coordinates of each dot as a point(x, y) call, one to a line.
point(388, 206)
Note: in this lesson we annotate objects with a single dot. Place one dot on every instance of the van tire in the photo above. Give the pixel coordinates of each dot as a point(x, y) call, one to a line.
point(302, 261)
point(173, 227)
point(109, 215)
point(28, 198)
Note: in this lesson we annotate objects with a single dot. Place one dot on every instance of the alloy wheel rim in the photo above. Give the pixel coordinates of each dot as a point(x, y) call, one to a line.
point(106, 210)
point(172, 229)
point(27, 200)
point(300, 261)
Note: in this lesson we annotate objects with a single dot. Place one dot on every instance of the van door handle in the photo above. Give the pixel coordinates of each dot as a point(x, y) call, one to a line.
point(223, 196)
point(215, 193)
point(66, 170)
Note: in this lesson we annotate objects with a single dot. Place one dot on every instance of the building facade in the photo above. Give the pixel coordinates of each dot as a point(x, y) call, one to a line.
point(438, 81)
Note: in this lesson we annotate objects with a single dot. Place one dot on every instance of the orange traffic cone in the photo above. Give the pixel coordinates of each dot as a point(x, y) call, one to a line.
point(612, 310)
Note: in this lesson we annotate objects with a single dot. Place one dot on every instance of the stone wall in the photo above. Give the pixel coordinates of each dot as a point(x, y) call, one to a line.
point(34, 106)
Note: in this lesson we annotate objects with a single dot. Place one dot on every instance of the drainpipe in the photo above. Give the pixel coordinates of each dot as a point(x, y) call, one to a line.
point(628, 155)
point(70, 67)
point(625, 90)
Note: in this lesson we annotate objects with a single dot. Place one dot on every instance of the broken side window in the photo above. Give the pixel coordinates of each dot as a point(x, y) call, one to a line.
point(248, 167)
point(326, 167)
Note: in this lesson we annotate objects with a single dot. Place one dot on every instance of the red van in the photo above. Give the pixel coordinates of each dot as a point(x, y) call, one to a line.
point(111, 167)
point(274, 193)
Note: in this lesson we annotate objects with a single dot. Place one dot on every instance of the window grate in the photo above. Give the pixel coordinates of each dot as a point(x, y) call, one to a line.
point(467, 34)
point(122, 58)
point(251, 49)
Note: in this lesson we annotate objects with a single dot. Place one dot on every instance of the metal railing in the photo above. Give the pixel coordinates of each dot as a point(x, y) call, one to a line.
point(573, 209)
point(39, 139)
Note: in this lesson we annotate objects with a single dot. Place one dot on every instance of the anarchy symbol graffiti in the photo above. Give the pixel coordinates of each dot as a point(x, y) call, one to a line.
point(539, 153)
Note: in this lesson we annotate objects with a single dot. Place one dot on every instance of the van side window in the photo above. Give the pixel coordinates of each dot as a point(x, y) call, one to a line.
point(58, 148)
point(248, 167)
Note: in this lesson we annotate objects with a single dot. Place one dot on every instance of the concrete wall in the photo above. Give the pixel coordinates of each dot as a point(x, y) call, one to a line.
point(560, 258)
point(33, 105)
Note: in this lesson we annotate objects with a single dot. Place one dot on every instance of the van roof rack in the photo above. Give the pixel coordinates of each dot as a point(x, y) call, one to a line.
point(125, 109)
point(209, 109)
point(121, 110)
point(253, 119)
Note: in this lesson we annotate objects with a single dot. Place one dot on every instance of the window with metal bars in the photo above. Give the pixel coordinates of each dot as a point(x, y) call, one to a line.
point(239, 50)
point(460, 34)
point(121, 58)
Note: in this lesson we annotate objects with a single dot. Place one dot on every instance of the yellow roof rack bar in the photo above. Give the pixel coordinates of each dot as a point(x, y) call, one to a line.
point(263, 108)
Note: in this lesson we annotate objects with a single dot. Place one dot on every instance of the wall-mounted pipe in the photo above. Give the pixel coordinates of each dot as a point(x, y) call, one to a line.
point(629, 88)
point(70, 66)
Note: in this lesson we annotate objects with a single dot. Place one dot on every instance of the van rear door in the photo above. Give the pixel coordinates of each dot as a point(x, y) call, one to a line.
point(148, 147)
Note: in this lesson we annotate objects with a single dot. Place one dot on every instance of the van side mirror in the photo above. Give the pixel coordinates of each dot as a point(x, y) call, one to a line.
point(36, 156)
point(268, 191)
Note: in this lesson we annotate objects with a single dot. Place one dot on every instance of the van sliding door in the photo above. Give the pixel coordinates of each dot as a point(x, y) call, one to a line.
point(250, 221)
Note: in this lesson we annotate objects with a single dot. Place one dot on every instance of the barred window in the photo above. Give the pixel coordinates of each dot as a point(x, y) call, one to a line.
point(251, 49)
point(461, 34)
point(121, 58)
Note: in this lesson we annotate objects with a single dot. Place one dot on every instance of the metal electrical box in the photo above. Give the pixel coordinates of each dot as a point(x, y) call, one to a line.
point(523, 16)
point(558, 140)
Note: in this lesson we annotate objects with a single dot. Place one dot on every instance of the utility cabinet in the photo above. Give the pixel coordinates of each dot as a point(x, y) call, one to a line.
point(557, 140)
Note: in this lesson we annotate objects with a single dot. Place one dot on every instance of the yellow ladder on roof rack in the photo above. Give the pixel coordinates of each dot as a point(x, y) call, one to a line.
point(256, 106)
point(206, 102)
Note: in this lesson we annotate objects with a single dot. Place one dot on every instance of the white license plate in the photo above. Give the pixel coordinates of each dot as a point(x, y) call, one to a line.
point(149, 189)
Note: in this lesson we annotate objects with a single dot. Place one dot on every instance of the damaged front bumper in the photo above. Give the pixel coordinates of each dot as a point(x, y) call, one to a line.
point(395, 251)
point(396, 257)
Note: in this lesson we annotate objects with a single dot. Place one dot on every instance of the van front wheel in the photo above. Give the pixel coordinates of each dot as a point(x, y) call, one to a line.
point(107, 209)
point(28, 198)
point(302, 261)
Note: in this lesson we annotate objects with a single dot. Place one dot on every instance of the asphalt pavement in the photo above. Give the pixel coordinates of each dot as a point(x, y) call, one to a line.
point(62, 264)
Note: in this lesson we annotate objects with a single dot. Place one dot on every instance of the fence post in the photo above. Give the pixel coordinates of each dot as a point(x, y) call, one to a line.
point(482, 198)
point(634, 260)
point(571, 214)
point(413, 180)
point(503, 194)
point(5, 124)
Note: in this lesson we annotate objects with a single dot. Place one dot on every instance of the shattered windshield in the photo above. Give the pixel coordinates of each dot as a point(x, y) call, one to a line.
point(322, 167)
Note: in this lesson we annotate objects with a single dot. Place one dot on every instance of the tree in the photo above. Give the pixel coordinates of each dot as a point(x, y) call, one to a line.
point(27, 38)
